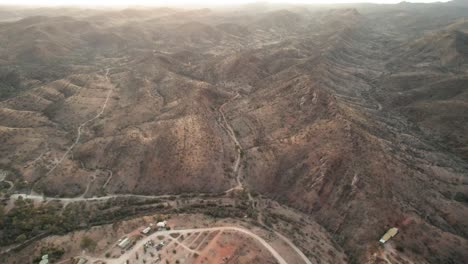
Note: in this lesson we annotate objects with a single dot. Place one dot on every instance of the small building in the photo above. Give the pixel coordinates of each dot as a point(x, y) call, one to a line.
point(159, 246)
point(146, 230)
point(82, 261)
point(390, 233)
point(161, 224)
point(44, 260)
point(124, 243)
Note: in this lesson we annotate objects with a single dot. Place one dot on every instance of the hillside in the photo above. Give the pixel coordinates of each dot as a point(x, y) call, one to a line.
point(336, 122)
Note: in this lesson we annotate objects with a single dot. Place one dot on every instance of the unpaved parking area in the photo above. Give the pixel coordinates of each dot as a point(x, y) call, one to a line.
point(191, 239)
point(204, 245)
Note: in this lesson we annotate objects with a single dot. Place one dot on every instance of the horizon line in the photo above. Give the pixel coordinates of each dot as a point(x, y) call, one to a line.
point(215, 4)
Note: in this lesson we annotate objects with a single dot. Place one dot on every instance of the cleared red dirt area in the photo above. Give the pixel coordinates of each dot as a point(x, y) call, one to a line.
point(232, 247)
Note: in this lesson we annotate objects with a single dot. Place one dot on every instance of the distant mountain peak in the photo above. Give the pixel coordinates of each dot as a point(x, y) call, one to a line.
point(459, 2)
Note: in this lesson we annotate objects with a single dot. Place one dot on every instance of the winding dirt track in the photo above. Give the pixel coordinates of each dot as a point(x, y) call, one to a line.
point(108, 179)
point(11, 184)
point(37, 197)
point(232, 135)
point(83, 125)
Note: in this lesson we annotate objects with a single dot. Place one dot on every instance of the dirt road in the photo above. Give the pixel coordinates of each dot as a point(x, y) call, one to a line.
point(37, 197)
point(232, 135)
point(108, 180)
point(80, 127)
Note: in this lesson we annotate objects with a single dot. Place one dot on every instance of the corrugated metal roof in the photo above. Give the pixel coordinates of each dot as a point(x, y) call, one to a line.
point(390, 233)
point(124, 242)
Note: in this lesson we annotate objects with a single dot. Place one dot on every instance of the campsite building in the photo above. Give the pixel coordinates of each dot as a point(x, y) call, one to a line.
point(390, 233)
point(124, 243)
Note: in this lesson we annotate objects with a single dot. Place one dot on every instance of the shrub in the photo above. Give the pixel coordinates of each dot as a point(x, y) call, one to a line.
point(461, 197)
point(21, 238)
point(400, 248)
point(87, 243)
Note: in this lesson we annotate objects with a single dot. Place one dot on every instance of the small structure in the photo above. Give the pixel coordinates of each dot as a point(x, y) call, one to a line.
point(390, 233)
point(146, 230)
point(124, 243)
point(161, 224)
point(82, 261)
point(149, 244)
point(44, 260)
point(160, 245)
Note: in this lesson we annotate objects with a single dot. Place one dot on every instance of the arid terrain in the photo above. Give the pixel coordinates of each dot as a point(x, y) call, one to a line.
point(320, 127)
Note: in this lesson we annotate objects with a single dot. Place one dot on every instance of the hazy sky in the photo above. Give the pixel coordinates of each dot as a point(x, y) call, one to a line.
point(187, 2)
